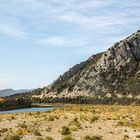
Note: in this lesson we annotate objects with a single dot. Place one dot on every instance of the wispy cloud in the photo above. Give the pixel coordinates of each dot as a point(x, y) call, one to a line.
point(32, 4)
point(72, 28)
point(87, 14)
point(63, 41)
point(53, 40)
point(97, 22)
point(12, 30)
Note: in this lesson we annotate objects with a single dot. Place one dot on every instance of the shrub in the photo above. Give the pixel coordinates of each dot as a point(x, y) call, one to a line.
point(125, 137)
point(22, 125)
point(68, 138)
point(65, 130)
point(37, 133)
point(40, 138)
point(22, 131)
point(12, 137)
point(76, 123)
point(93, 119)
point(48, 129)
point(51, 118)
point(12, 117)
point(120, 123)
point(92, 138)
point(138, 136)
point(49, 138)
point(3, 130)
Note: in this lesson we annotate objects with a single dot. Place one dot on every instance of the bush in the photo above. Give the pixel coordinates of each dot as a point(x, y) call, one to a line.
point(21, 131)
point(51, 118)
point(37, 133)
point(48, 129)
point(22, 125)
point(120, 123)
point(138, 136)
point(12, 137)
point(65, 130)
point(3, 130)
point(68, 138)
point(125, 137)
point(93, 119)
point(76, 123)
point(40, 138)
point(92, 138)
point(49, 138)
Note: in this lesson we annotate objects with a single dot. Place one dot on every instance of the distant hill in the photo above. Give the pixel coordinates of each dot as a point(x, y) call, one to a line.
point(8, 92)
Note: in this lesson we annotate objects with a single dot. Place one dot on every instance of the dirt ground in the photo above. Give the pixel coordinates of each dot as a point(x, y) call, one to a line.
point(74, 122)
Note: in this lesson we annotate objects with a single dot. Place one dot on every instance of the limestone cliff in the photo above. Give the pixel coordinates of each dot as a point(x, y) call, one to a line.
point(114, 72)
point(108, 77)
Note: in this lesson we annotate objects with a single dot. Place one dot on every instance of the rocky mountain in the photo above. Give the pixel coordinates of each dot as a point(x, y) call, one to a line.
point(8, 92)
point(110, 77)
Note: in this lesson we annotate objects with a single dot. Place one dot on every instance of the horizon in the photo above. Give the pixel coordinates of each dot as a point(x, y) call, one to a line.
point(41, 39)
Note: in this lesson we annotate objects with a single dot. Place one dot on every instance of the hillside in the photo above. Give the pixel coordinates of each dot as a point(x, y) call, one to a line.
point(105, 78)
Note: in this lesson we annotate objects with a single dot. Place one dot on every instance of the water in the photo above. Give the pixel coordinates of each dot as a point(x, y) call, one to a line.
point(33, 109)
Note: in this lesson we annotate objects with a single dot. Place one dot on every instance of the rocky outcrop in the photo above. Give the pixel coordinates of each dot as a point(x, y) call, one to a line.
point(111, 74)
point(109, 77)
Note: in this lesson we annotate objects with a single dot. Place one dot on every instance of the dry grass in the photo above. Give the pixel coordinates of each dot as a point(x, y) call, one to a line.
point(78, 121)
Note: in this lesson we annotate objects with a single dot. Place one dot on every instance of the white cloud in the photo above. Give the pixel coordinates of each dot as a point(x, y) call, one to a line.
point(53, 40)
point(63, 41)
point(88, 26)
point(32, 4)
point(97, 22)
point(78, 12)
point(12, 30)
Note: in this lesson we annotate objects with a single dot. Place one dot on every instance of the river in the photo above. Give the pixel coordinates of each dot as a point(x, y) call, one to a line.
point(32, 109)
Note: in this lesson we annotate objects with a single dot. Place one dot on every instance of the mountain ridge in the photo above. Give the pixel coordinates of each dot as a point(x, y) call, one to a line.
point(10, 91)
point(126, 52)
point(108, 77)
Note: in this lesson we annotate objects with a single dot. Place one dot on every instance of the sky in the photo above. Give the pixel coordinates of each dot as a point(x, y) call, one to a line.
point(41, 39)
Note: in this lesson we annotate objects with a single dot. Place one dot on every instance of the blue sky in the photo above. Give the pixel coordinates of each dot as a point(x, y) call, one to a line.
point(41, 39)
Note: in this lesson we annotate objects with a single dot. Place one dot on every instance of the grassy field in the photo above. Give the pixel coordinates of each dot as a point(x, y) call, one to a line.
point(74, 122)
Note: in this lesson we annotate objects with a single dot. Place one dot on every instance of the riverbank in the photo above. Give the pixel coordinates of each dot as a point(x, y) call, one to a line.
point(46, 105)
point(14, 103)
point(32, 109)
point(76, 122)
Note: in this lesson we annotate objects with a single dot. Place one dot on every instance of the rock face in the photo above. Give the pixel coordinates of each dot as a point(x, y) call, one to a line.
point(106, 77)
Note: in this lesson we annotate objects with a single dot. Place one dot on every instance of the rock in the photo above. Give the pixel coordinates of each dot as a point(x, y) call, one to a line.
point(103, 74)
point(110, 77)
